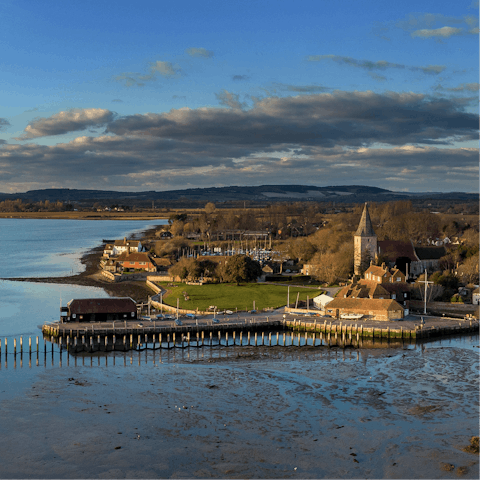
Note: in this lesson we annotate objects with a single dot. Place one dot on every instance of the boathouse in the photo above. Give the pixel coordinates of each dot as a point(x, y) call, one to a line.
point(376, 309)
point(99, 310)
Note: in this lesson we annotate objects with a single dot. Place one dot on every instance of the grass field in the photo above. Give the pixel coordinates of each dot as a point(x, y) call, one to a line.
point(230, 296)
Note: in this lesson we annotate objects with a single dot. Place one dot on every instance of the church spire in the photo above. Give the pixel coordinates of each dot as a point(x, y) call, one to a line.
point(365, 228)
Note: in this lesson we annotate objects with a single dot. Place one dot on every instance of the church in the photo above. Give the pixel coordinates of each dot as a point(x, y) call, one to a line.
point(411, 259)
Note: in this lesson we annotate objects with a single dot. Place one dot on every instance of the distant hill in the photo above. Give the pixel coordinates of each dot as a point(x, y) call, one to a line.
point(259, 194)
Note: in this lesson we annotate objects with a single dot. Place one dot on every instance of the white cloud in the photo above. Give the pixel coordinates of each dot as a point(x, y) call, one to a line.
point(165, 69)
point(199, 52)
point(444, 32)
point(67, 121)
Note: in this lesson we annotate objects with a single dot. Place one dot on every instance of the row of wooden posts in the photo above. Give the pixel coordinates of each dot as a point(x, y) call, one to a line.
point(128, 342)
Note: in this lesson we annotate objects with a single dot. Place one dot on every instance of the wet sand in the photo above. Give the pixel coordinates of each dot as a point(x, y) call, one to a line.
point(258, 413)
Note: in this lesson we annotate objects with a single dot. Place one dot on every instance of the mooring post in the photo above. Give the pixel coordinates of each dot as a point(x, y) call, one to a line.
point(233, 338)
point(98, 340)
point(284, 340)
point(248, 339)
point(131, 340)
point(14, 346)
point(306, 338)
point(60, 342)
point(240, 340)
point(298, 340)
point(263, 340)
point(114, 340)
point(188, 339)
point(21, 345)
point(106, 343)
point(255, 338)
point(270, 339)
point(139, 340)
point(173, 338)
point(314, 339)
point(44, 346)
point(226, 339)
point(203, 337)
point(76, 341)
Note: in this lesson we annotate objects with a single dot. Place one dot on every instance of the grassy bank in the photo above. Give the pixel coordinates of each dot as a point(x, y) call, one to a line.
point(231, 296)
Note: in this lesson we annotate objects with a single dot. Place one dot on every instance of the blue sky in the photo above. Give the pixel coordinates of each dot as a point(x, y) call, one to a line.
point(163, 95)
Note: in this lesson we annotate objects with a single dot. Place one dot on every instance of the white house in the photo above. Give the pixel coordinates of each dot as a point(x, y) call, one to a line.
point(476, 296)
point(321, 301)
point(128, 246)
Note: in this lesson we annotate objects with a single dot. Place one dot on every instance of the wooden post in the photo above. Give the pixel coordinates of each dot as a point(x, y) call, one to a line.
point(138, 340)
point(226, 339)
point(314, 339)
point(277, 338)
point(306, 337)
point(298, 339)
point(188, 339)
point(263, 339)
point(106, 343)
point(173, 338)
point(29, 345)
point(6, 348)
point(114, 339)
point(248, 339)
point(284, 340)
point(14, 346)
point(234, 338)
point(241, 335)
point(270, 339)
point(21, 345)
point(219, 337)
point(131, 340)
point(255, 338)
point(203, 336)
point(211, 338)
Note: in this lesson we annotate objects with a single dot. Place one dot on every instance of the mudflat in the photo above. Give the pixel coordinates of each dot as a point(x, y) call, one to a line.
point(245, 412)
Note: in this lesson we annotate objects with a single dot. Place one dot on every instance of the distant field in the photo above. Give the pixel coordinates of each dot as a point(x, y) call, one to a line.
point(86, 215)
point(231, 296)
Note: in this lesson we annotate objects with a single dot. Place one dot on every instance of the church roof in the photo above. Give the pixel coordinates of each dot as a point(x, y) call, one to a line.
point(365, 228)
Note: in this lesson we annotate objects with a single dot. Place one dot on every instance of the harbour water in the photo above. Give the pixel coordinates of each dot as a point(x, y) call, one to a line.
point(228, 412)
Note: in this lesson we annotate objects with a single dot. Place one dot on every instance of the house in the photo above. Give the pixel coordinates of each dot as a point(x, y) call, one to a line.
point(375, 308)
point(130, 246)
point(382, 274)
point(137, 261)
point(320, 301)
point(476, 296)
point(100, 310)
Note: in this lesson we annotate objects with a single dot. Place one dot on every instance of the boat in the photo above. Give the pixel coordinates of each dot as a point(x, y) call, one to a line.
point(351, 316)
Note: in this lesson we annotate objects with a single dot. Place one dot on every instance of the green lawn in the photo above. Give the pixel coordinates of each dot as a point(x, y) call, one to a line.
point(230, 296)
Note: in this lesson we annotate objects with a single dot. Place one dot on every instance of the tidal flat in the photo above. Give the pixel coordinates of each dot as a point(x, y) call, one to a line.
point(245, 412)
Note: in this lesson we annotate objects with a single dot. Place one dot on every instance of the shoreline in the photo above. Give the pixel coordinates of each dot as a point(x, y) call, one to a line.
point(92, 277)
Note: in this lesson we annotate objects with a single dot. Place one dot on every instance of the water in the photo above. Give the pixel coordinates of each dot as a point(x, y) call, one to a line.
point(52, 248)
point(44, 248)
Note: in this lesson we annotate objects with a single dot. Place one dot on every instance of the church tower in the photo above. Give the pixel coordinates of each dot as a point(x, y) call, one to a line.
point(364, 241)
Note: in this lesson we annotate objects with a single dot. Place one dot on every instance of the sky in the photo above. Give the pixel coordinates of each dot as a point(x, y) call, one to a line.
point(150, 95)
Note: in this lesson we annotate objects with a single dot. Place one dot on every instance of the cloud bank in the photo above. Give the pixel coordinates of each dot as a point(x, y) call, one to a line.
point(400, 140)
